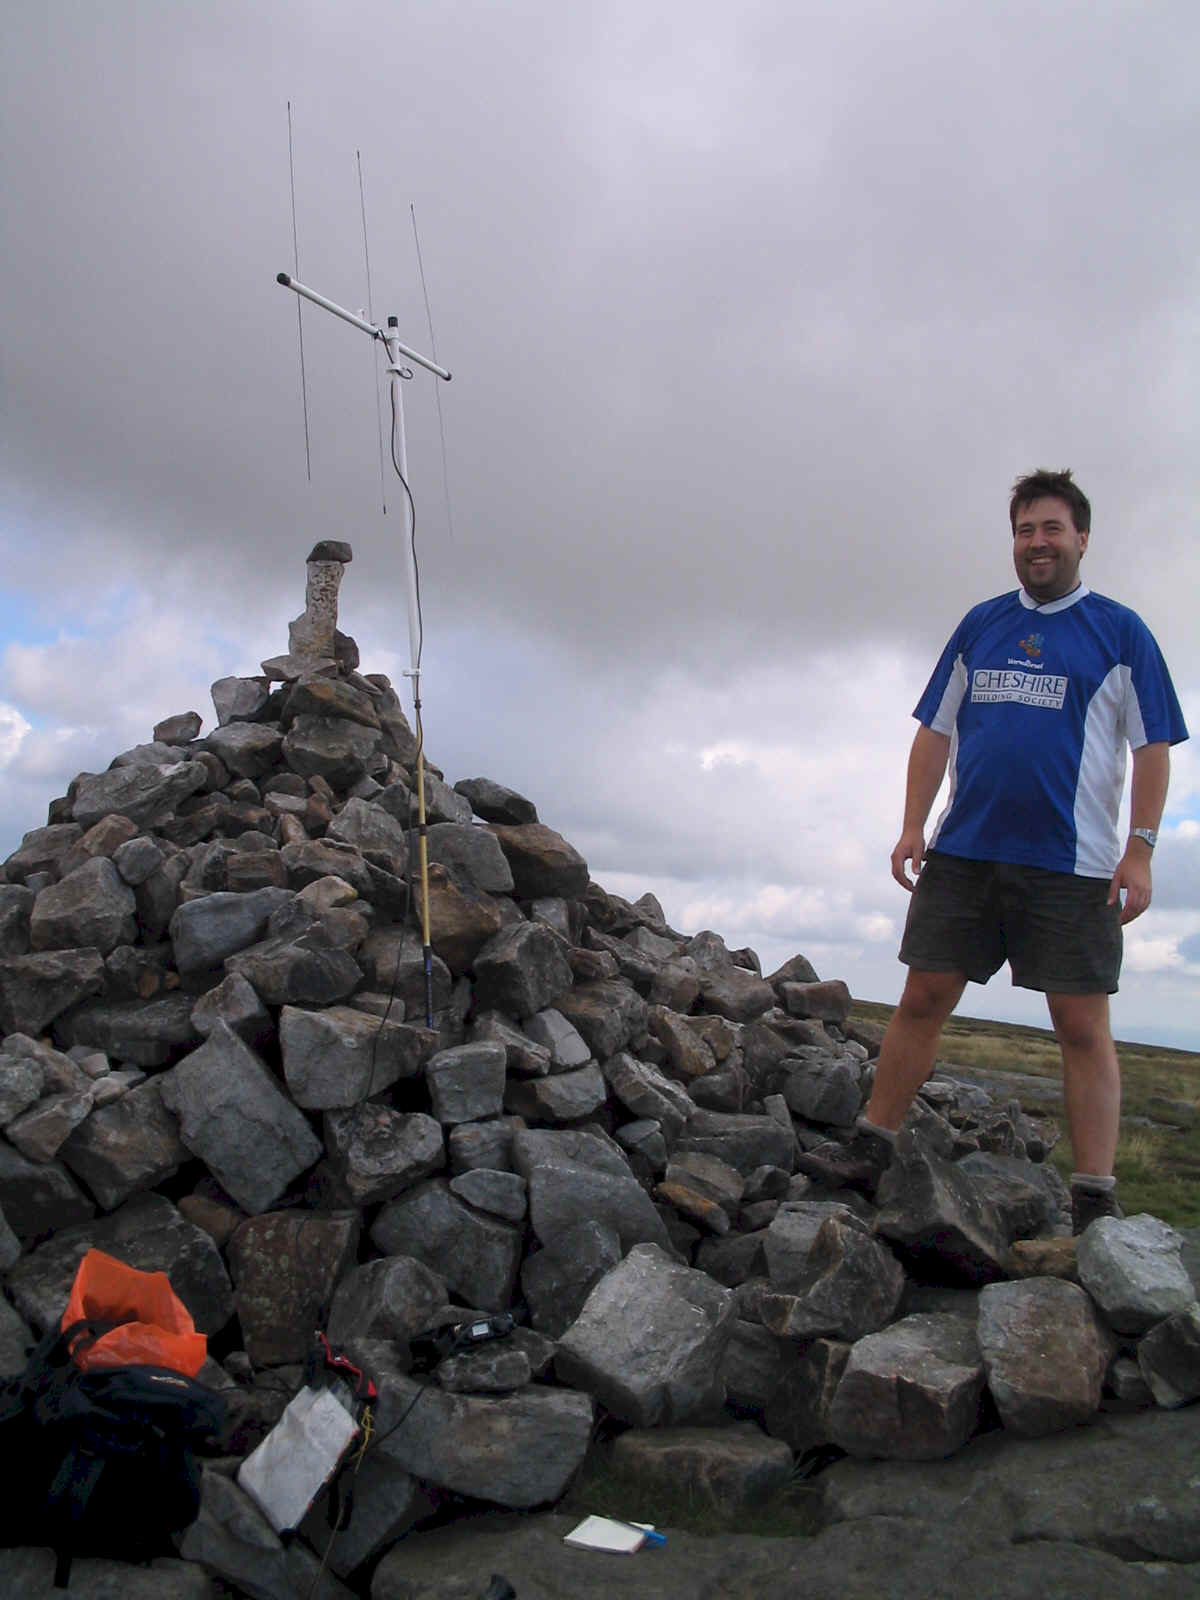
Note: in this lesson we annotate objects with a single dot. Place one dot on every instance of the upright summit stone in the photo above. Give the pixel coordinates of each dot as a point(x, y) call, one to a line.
point(313, 632)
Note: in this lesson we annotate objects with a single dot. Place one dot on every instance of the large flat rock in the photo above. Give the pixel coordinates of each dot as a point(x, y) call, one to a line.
point(881, 1558)
point(1124, 1484)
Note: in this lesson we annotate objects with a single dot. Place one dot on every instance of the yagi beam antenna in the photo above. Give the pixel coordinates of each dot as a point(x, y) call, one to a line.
point(395, 350)
point(391, 342)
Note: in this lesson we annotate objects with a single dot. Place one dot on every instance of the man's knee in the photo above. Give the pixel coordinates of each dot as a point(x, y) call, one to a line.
point(930, 996)
point(1080, 1020)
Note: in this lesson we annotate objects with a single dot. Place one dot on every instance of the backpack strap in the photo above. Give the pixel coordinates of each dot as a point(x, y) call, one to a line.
point(59, 1346)
point(74, 1482)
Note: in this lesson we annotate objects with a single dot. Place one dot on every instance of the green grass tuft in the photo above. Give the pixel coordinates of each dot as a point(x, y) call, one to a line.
point(601, 1491)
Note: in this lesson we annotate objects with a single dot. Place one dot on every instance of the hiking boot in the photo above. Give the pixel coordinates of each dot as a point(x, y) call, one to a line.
point(1088, 1204)
point(858, 1164)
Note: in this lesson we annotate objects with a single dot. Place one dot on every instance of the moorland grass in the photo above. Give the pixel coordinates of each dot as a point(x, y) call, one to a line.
point(602, 1490)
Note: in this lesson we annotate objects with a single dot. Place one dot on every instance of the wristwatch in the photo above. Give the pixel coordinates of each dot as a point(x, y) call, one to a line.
point(1150, 835)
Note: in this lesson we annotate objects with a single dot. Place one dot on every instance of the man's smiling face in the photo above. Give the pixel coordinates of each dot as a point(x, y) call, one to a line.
point(1047, 549)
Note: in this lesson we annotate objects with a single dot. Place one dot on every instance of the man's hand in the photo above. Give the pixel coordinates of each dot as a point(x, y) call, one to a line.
point(1132, 875)
point(911, 847)
point(926, 768)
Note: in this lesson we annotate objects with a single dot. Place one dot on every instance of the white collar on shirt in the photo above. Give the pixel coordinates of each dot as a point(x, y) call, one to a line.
point(1061, 604)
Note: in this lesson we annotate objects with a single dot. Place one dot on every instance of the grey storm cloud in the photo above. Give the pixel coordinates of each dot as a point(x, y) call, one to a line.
point(750, 314)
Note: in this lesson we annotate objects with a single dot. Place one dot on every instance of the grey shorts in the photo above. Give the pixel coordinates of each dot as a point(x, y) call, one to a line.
point(1055, 929)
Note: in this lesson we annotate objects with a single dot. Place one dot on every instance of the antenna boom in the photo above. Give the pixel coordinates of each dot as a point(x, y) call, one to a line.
point(389, 338)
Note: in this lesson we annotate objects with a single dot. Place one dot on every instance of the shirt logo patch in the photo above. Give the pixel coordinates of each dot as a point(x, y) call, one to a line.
point(1032, 646)
point(989, 685)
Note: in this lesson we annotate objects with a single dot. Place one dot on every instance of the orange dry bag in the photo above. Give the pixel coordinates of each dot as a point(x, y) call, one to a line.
point(154, 1327)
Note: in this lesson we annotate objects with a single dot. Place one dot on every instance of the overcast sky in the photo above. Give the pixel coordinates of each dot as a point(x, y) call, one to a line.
point(754, 313)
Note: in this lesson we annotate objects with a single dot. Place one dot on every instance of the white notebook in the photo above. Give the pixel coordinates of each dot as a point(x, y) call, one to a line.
point(602, 1533)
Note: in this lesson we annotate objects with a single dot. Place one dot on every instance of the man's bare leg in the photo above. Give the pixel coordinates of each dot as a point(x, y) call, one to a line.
point(1091, 1079)
point(909, 1046)
point(905, 1060)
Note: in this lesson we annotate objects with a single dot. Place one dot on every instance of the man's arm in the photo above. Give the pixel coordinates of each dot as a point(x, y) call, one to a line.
point(926, 768)
point(1151, 772)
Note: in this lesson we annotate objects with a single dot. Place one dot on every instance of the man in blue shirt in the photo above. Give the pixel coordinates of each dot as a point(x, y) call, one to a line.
point(1031, 707)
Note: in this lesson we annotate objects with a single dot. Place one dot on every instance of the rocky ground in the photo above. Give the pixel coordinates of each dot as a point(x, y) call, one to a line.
point(224, 1057)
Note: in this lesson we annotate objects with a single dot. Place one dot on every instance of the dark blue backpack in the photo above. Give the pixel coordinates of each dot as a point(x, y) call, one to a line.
point(102, 1462)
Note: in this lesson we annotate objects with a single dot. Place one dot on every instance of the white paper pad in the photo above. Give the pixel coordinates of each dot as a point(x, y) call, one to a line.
point(297, 1458)
point(602, 1533)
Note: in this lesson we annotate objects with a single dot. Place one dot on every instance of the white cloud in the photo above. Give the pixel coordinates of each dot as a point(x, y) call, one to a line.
point(1151, 955)
point(13, 729)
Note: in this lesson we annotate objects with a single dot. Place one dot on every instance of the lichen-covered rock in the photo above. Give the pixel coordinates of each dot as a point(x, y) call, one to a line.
point(647, 1092)
point(542, 861)
point(334, 748)
point(16, 903)
point(1169, 1358)
point(1133, 1270)
point(466, 1083)
point(462, 919)
point(233, 1115)
point(649, 1341)
point(148, 1233)
point(145, 1032)
point(395, 1298)
point(378, 1152)
point(38, 1197)
point(91, 907)
point(1045, 1352)
point(205, 931)
point(608, 1014)
point(339, 1056)
point(143, 793)
point(494, 803)
point(564, 1097)
point(35, 989)
point(285, 1266)
point(519, 1451)
point(851, 1286)
point(247, 749)
point(130, 1145)
point(522, 970)
point(910, 1392)
point(478, 1256)
point(41, 850)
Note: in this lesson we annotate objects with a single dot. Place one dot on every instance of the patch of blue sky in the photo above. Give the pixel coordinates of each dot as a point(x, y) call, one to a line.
point(37, 722)
point(223, 646)
point(41, 618)
point(27, 618)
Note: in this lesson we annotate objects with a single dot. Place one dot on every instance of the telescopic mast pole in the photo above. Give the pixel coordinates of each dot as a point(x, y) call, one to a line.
point(390, 340)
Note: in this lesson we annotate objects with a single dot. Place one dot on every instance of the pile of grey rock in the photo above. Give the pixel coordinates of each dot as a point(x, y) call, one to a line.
point(224, 1057)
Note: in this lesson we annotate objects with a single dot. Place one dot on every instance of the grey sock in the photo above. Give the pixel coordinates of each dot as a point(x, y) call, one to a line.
point(1092, 1182)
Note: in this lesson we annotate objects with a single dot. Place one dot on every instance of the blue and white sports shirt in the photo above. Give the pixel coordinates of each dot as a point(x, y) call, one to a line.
point(1039, 703)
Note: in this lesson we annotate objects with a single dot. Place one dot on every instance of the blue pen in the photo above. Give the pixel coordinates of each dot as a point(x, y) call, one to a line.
point(653, 1537)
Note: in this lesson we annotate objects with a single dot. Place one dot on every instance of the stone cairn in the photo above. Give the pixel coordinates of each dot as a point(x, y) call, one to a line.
point(215, 1063)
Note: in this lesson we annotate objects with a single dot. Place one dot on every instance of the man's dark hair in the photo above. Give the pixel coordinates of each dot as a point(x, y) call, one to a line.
point(1043, 485)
